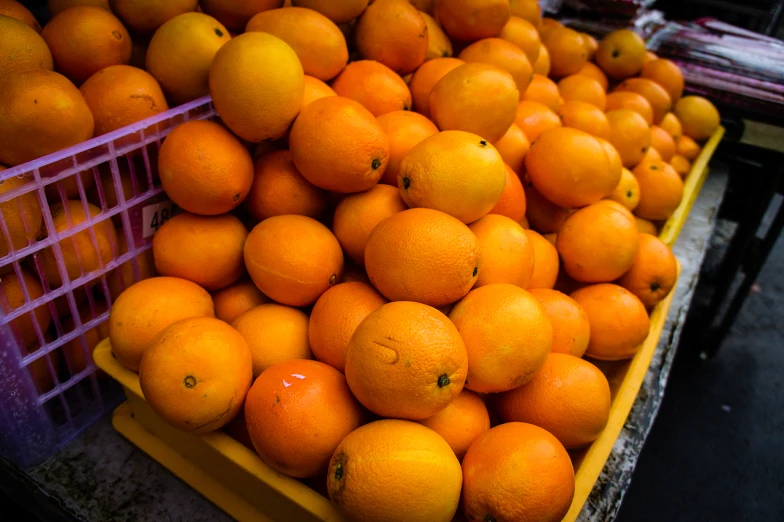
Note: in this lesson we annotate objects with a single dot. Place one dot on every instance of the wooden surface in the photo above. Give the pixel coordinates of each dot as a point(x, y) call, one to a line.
point(101, 476)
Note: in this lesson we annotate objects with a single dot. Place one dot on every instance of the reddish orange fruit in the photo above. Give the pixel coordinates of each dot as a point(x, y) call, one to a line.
point(375, 86)
point(661, 190)
point(571, 329)
point(583, 116)
point(546, 263)
point(512, 147)
point(653, 274)
point(461, 422)
point(621, 54)
point(512, 203)
point(534, 118)
point(507, 255)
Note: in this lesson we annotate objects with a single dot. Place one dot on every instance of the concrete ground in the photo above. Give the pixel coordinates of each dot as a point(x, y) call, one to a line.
point(716, 450)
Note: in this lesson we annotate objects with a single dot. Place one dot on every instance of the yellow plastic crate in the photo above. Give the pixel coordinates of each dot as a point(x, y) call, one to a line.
point(235, 478)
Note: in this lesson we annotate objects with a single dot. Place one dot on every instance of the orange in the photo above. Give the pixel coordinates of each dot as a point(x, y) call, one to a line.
point(274, 333)
point(315, 89)
point(661, 190)
point(512, 203)
point(632, 101)
point(393, 33)
point(107, 188)
point(687, 147)
point(621, 54)
point(586, 117)
point(619, 322)
point(507, 255)
point(542, 64)
point(377, 87)
point(125, 275)
point(545, 269)
point(119, 95)
point(40, 112)
point(86, 39)
point(650, 56)
point(567, 51)
point(204, 169)
point(455, 172)
point(257, 84)
point(78, 250)
point(13, 288)
point(524, 35)
point(591, 45)
point(236, 299)
point(358, 214)
point(341, 133)
point(598, 243)
point(404, 130)
point(477, 98)
point(507, 336)
point(543, 90)
point(235, 14)
point(406, 360)
point(471, 20)
point(311, 409)
point(627, 193)
point(318, 42)
point(698, 116)
point(503, 54)
point(672, 125)
point(656, 95)
point(653, 274)
point(645, 226)
point(528, 10)
point(55, 6)
point(22, 215)
point(517, 471)
point(534, 118)
point(278, 188)
point(196, 374)
point(204, 249)
point(651, 155)
point(578, 87)
point(571, 330)
point(338, 12)
point(426, 77)
point(23, 48)
point(148, 307)
point(569, 397)
point(663, 143)
point(438, 43)
point(145, 16)
point(394, 469)
point(512, 147)
point(180, 53)
point(544, 216)
point(681, 165)
point(293, 259)
point(667, 74)
point(335, 318)
point(19, 12)
point(630, 135)
point(461, 422)
point(592, 71)
point(79, 350)
point(570, 167)
point(423, 255)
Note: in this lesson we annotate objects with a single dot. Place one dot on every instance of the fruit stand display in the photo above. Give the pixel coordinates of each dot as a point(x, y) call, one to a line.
point(364, 289)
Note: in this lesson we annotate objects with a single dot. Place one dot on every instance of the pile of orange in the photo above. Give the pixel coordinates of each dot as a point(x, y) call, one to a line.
point(430, 238)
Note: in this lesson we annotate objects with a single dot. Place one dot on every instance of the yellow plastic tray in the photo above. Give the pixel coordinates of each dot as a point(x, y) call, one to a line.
point(235, 478)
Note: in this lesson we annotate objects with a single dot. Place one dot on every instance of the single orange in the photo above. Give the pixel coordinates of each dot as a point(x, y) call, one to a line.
point(274, 333)
point(22, 215)
point(503, 54)
point(657, 96)
point(23, 48)
point(571, 330)
point(404, 130)
point(315, 89)
point(455, 172)
point(687, 147)
point(586, 117)
point(632, 101)
point(534, 118)
point(627, 193)
point(335, 318)
point(374, 85)
point(144, 16)
point(19, 12)
point(681, 165)
point(358, 214)
point(651, 155)
point(543, 90)
point(293, 259)
point(461, 422)
point(512, 203)
point(619, 322)
point(672, 125)
point(507, 255)
point(507, 336)
point(426, 77)
point(661, 190)
point(544, 216)
point(645, 226)
point(598, 243)
point(542, 64)
point(524, 35)
point(591, 45)
point(423, 255)
point(591, 70)
point(653, 274)
point(621, 54)
point(698, 116)
point(667, 74)
point(471, 20)
point(567, 51)
point(14, 288)
point(438, 43)
point(393, 33)
point(650, 56)
point(546, 264)
point(663, 143)
point(570, 167)
point(569, 397)
point(236, 299)
point(406, 360)
point(297, 413)
point(578, 87)
point(338, 12)
point(512, 147)
point(630, 135)
point(527, 10)
point(517, 471)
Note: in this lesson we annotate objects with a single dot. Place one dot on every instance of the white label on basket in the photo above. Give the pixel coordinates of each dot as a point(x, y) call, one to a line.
point(154, 216)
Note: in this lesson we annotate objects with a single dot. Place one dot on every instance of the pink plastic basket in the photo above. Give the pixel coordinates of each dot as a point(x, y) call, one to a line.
point(49, 387)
